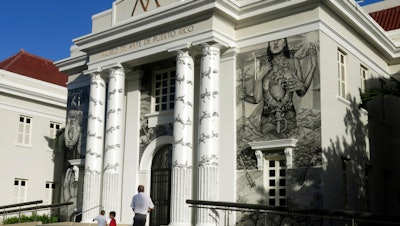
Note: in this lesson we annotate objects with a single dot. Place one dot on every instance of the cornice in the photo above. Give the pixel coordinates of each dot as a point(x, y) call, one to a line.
point(147, 24)
point(41, 93)
point(355, 16)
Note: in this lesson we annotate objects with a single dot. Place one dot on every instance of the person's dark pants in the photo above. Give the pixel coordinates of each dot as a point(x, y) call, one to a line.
point(139, 220)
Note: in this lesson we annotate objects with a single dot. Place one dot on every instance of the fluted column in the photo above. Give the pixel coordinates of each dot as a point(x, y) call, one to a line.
point(208, 139)
point(114, 142)
point(94, 147)
point(183, 141)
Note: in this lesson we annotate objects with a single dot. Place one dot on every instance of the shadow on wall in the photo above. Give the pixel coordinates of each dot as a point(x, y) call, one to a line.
point(360, 170)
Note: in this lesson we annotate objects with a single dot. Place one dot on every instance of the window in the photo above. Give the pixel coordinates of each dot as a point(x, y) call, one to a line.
point(24, 130)
point(276, 179)
point(50, 186)
point(364, 77)
point(20, 187)
point(54, 127)
point(341, 58)
point(164, 90)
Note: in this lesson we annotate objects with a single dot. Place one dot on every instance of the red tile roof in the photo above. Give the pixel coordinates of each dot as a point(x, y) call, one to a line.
point(36, 67)
point(389, 19)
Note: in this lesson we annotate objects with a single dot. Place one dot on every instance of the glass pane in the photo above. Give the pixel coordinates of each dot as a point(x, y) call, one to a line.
point(158, 84)
point(51, 125)
point(158, 76)
point(282, 163)
point(157, 92)
point(21, 119)
point(22, 183)
point(271, 182)
point(171, 105)
point(282, 172)
point(164, 107)
point(165, 91)
point(282, 182)
point(157, 100)
point(271, 192)
point(271, 163)
point(164, 99)
point(165, 83)
point(16, 182)
point(164, 75)
point(282, 192)
point(282, 202)
point(272, 173)
point(172, 89)
point(171, 97)
point(157, 107)
point(47, 185)
point(272, 202)
point(28, 120)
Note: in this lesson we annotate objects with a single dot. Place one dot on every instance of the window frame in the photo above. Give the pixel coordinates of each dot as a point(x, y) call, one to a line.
point(24, 137)
point(364, 76)
point(277, 179)
point(20, 191)
point(342, 75)
point(157, 106)
point(49, 192)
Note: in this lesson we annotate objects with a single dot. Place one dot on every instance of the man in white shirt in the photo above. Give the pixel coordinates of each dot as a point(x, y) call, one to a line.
point(101, 219)
point(141, 205)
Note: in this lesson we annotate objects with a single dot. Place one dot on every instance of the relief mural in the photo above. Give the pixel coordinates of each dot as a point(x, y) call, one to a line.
point(278, 98)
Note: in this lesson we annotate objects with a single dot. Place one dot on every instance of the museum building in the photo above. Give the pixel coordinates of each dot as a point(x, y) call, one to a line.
point(236, 101)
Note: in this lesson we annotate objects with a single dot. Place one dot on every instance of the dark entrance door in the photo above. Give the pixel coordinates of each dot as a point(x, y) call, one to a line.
point(161, 186)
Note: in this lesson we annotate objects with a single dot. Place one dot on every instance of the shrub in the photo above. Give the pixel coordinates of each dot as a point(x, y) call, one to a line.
point(45, 219)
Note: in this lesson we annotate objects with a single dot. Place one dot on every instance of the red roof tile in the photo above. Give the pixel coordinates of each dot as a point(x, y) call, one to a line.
point(36, 67)
point(389, 19)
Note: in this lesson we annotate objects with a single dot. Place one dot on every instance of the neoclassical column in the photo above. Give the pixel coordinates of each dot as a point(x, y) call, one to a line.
point(94, 147)
point(114, 141)
point(208, 135)
point(182, 152)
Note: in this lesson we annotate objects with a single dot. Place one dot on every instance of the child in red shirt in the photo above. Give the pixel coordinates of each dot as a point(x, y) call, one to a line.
point(112, 221)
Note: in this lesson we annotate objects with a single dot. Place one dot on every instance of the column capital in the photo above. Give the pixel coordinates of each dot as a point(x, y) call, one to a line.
point(179, 48)
point(92, 72)
point(112, 67)
point(212, 45)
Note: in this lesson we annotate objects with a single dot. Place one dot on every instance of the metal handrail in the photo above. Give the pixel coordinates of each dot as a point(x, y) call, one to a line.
point(35, 208)
point(21, 204)
point(317, 213)
point(102, 207)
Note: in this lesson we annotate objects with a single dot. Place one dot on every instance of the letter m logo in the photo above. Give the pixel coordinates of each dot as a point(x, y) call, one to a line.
point(144, 5)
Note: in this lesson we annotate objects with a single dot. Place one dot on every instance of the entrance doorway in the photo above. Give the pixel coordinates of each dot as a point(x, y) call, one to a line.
point(161, 186)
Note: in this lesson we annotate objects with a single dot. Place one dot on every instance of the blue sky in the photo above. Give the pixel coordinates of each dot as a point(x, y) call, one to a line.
point(46, 27)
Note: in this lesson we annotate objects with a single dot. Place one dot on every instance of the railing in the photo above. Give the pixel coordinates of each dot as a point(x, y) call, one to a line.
point(27, 209)
point(295, 213)
point(4, 212)
point(87, 211)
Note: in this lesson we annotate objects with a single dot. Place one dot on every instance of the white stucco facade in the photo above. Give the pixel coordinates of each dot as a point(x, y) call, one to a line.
point(205, 54)
point(32, 160)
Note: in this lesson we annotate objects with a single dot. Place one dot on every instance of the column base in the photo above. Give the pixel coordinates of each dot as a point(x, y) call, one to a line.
point(180, 224)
